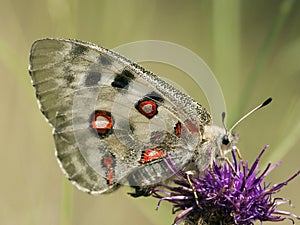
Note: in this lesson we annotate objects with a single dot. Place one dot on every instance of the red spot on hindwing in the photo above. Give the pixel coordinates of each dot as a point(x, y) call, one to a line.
point(177, 129)
point(151, 155)
point(102, 122)
point(109, 163)
point(110, 173)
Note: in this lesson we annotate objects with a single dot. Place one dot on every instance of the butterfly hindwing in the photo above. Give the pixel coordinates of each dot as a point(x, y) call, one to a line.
point(111, 118)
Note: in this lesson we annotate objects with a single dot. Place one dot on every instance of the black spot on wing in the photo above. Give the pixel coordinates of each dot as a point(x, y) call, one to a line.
point(68, 75)
point(154, 96)
point(131, 127)
point(104, 60)
point(123, 79)
point(92, 78)
point(78, 50)
point(69, 78)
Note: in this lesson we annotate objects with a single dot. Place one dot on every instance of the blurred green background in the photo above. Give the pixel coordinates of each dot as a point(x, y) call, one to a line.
point(253, 47)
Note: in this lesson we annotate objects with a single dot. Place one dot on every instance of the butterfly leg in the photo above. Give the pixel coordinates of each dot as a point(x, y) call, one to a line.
point(226, 159)
point(237, 151)
point(188, 174)
point(142, 191)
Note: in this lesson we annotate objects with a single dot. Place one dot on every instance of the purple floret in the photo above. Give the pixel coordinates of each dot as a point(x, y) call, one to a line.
point(223, 195)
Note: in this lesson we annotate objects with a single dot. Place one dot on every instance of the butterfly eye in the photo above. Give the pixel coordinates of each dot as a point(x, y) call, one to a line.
point(225, 140)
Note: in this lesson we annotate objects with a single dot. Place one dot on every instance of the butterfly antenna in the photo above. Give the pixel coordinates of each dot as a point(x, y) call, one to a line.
point(223, 121)
point(266, 102)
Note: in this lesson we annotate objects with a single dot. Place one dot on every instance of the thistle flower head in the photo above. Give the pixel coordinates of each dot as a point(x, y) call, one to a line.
point(234, 193)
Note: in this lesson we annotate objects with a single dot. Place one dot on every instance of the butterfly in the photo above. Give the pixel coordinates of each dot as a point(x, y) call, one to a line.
point(115, 122)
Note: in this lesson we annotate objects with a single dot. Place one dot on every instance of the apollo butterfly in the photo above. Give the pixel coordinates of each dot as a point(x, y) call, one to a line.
point(114, 122)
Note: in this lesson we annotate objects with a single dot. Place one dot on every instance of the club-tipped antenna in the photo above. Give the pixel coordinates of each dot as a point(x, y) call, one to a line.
point(266, 102)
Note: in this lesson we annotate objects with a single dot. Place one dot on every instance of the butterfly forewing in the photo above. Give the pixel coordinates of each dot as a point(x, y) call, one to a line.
point(111, 117)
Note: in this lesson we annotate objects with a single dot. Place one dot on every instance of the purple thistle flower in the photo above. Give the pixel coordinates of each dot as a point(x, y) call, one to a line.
point(223, 195)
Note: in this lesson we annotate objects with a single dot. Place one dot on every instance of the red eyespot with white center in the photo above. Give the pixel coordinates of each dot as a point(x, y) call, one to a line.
point(102, 122)
point(151, 155)
point(147, 108)
point(148, 105)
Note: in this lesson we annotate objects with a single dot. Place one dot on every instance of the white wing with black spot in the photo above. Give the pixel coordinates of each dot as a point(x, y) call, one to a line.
point(111, 118)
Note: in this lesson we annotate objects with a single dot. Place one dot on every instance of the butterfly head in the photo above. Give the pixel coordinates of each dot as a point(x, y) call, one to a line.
point(218, 141)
